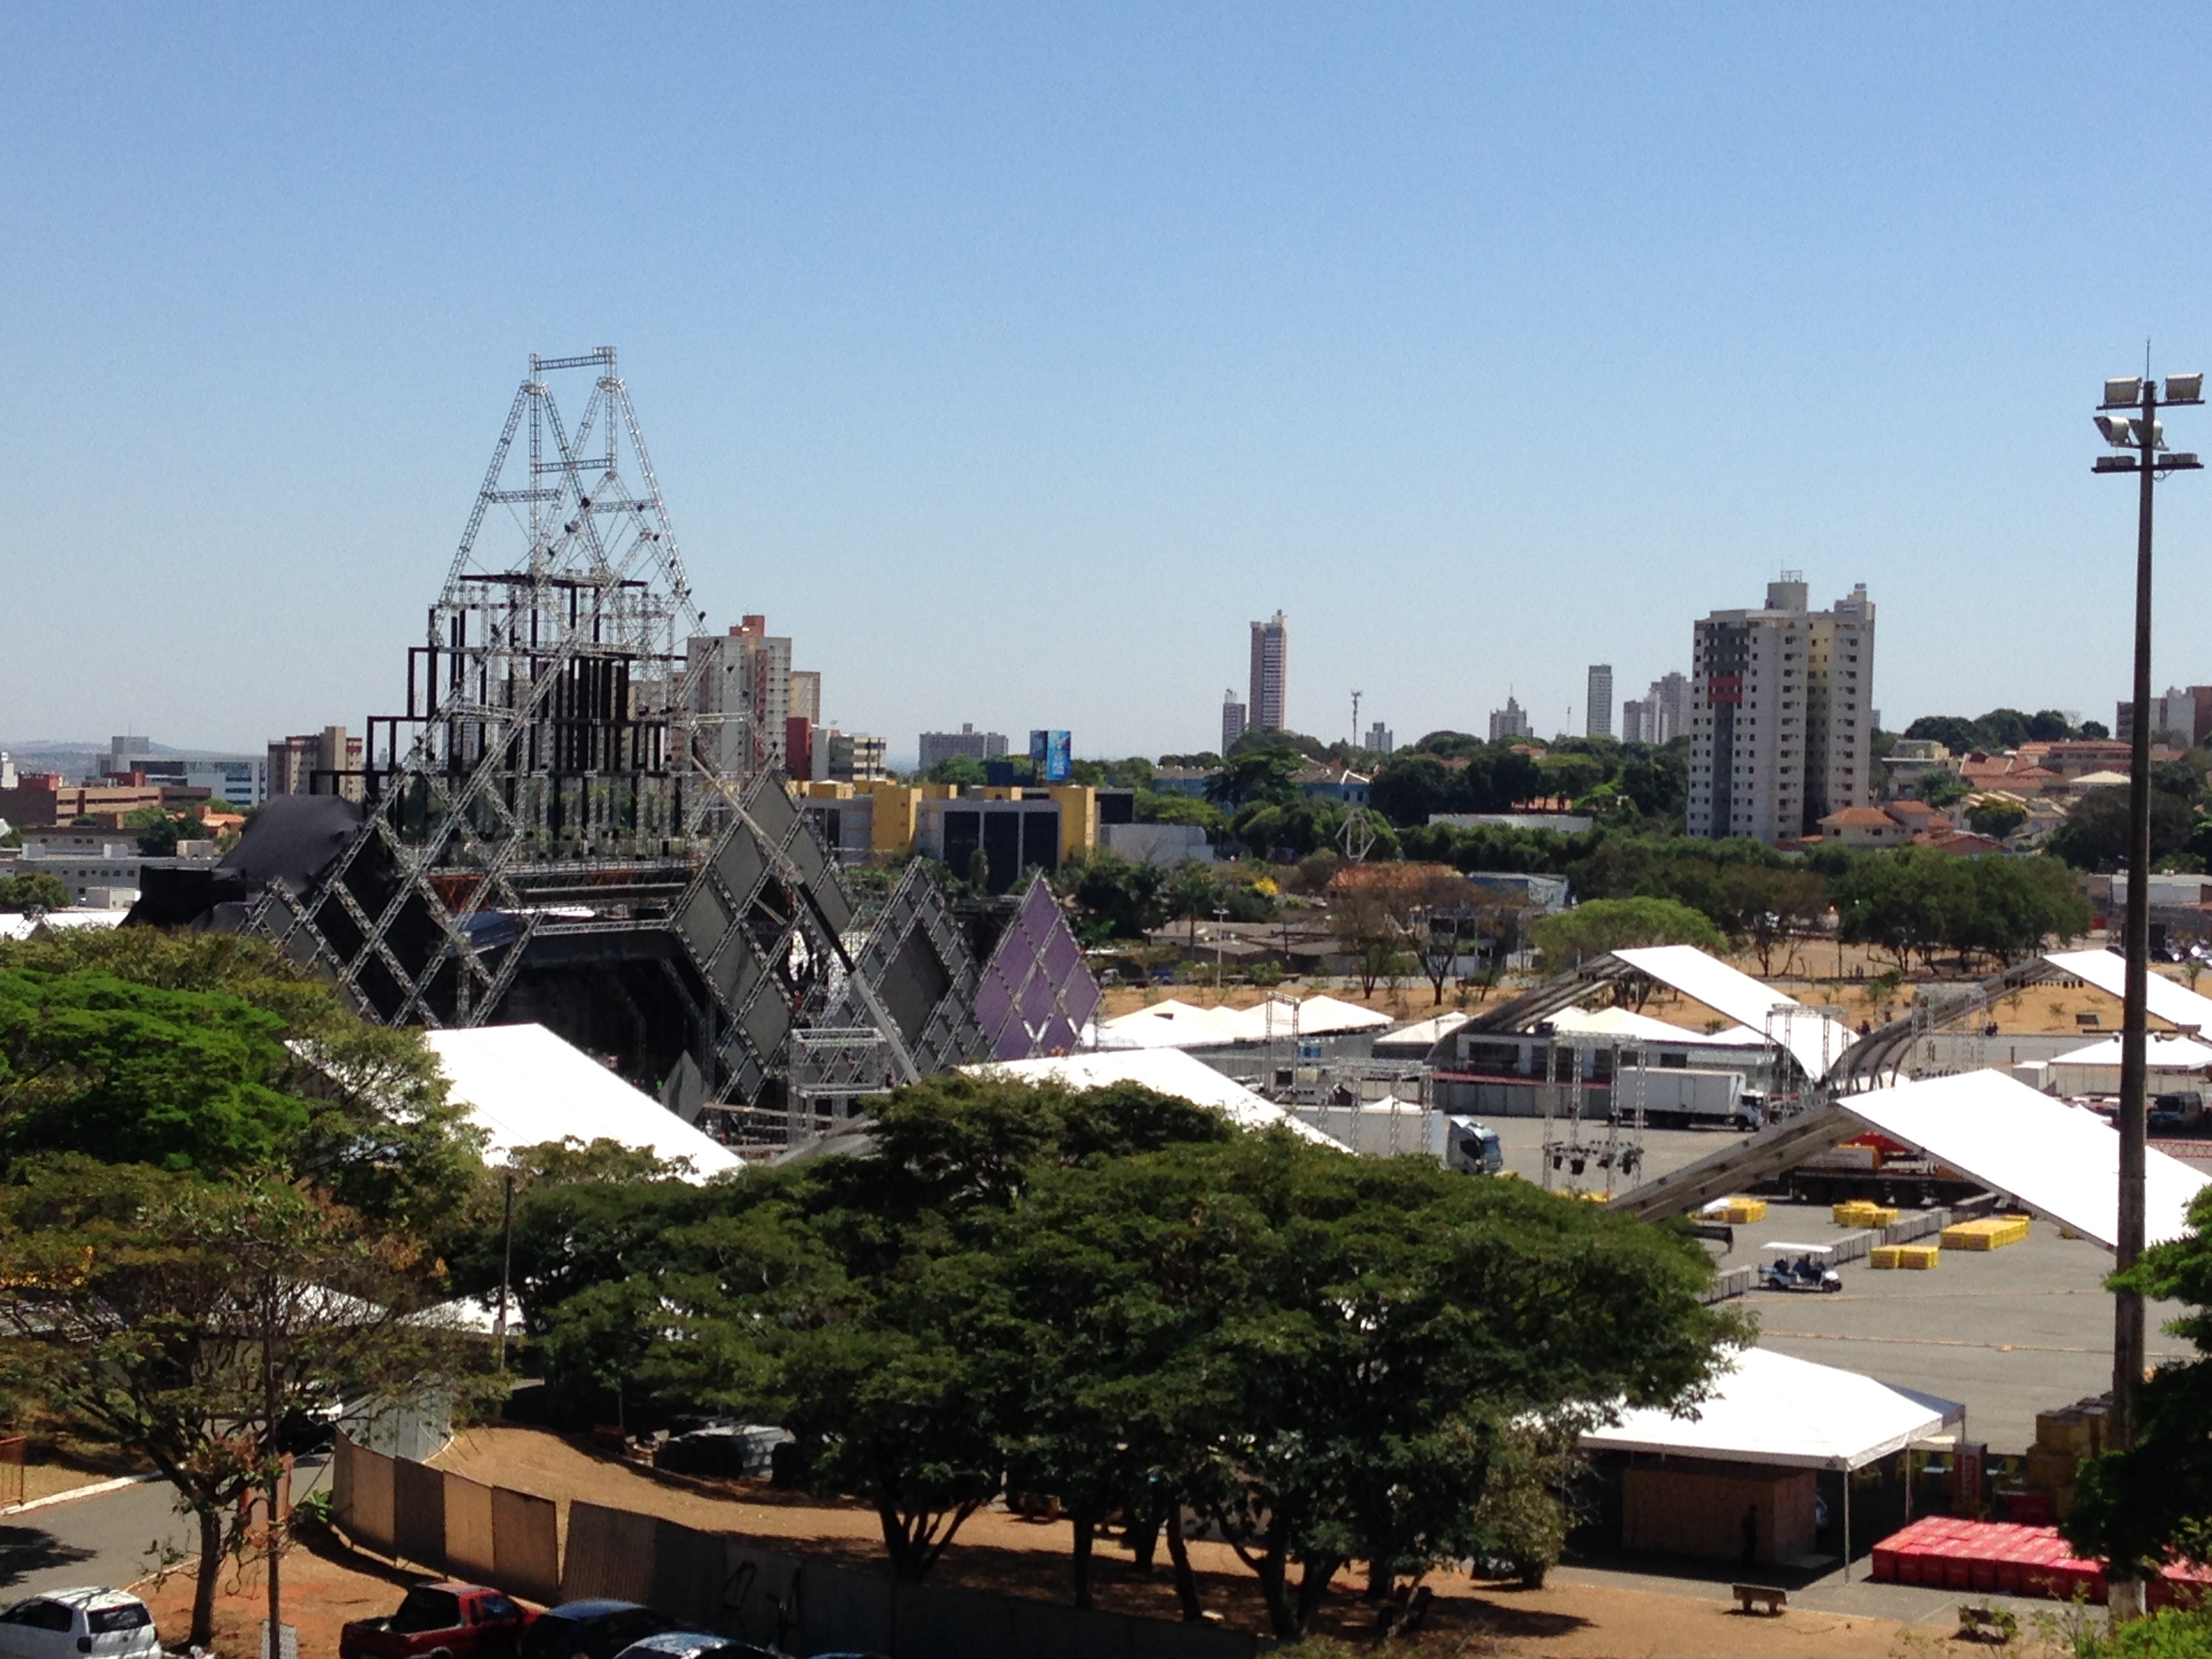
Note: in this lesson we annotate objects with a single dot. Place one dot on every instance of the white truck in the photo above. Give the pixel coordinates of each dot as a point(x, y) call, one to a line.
point(1674, 1097)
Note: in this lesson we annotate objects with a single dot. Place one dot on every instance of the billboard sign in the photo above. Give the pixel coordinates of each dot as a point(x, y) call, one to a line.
point(1051, 756)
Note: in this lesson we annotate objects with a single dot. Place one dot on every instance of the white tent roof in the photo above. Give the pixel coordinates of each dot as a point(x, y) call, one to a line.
point(1431, 1031)
point(2061, 1161)
point(17, 925)
point(1319, 1016)
point(1171, 1025)
point(1170, 1071)
point(2177, 1005)
point(524, 1085)
point(2166, 1053)
point(1771, 1408)
point(1817, 1041)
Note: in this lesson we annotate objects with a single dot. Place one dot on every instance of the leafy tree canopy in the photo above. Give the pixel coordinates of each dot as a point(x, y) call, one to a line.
point(1600, 925)
point(33, 889)
point(2094, 835)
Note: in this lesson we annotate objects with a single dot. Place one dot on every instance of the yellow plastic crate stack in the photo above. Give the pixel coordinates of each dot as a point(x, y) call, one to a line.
point(1993, 1234)
point(2063, 1439)
point(1742, 1211)
point(1861, 1213)
point(1921, 1256)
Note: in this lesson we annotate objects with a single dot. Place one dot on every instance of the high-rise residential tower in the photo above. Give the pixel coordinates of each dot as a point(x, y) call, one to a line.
point(1781, 718)
point(1597, 713)
point(1271, 673)
point(1511, 721)
point(1232, 720)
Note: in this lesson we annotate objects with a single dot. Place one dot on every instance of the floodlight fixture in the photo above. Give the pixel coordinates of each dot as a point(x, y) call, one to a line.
point(2123, 393)
point(2120, 431)
point(2184, 388)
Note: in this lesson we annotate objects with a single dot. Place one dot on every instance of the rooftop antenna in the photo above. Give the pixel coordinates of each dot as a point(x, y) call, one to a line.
point(1355, 720)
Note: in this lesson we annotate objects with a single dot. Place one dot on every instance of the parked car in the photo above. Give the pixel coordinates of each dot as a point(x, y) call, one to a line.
point(440, 1621)
point(592, 1629)
point(698, 1644)
point(65, 1624)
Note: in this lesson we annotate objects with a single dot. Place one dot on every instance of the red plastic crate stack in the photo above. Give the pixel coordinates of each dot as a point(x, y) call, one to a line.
point(1944, 1552)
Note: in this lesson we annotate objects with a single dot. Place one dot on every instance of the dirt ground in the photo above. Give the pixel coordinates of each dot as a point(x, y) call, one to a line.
point(1005, 1553)
point(324, 1588)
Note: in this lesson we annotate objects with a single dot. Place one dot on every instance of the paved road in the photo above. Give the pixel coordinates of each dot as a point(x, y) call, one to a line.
point(107, 1539)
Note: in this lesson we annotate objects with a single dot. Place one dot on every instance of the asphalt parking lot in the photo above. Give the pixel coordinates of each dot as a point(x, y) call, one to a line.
point(2007, 1332)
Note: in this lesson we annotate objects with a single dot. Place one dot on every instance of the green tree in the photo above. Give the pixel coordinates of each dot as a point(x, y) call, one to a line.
point(1941, 788)
point(1571, 775)
point(963, 770)
point(2140, 1506)
point(159, 831)
point(1995, 818)
point(1767, 905)
point(1954, 733)
point(1115, 898)
point(33, 889)
point(191, 1322)
point(1896, 902)
point(2094, 835)
point(1408, 787)
point(1153, 808)
point(1256, 774)
point(1598, 926)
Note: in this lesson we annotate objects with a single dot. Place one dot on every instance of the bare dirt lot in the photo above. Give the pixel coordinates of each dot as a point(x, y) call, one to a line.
point(1011, 1556)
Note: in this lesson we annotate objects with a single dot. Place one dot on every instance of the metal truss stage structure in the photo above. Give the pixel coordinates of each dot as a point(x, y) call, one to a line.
point(543, 834)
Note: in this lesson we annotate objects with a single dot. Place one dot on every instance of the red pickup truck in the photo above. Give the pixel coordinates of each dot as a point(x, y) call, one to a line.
point(440, 1621)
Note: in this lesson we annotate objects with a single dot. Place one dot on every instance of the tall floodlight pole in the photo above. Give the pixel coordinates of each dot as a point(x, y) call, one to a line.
point(2140, 439)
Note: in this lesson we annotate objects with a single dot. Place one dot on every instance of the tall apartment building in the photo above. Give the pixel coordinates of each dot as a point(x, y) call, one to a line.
point(294, 763)
point(2178, 716)
point(1597, 713)
point(1781, 717)
point(966, 744)
point(1659, 715)
point(745, 688)
point(1271, 673)
point(1379, 740)
point(1232, 720)
point(803, 700)
point(1511, 721)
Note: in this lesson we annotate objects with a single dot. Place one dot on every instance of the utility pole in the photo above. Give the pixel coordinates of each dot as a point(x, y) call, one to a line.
point(1355, 720)
point(2141, 442)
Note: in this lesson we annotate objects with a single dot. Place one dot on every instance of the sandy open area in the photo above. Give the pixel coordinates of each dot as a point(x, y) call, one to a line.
point(1003, 1552)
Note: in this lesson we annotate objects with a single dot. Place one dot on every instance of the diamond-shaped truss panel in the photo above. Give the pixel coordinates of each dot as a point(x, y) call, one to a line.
point(917, 965)
point(1036, 994)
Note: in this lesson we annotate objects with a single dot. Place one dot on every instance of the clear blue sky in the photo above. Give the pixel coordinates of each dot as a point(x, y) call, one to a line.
point(1013, 359)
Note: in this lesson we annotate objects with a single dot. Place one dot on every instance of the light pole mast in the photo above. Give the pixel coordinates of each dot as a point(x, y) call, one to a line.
point(2141, 440)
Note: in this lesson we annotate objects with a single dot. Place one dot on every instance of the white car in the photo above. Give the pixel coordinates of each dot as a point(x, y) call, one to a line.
point(65, 1624)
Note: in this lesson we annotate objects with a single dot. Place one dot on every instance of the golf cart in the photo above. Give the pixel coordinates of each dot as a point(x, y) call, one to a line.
point(1789, 1266)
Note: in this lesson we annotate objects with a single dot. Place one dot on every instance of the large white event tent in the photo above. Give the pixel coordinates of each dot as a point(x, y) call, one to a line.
point(1770, 1407)
point(1773, 1412)
point(2060, 1161)
point(23, 925)
point(1814, 1039)
point(2177, 1005)
point(523, 1085)
point(1627, 1023)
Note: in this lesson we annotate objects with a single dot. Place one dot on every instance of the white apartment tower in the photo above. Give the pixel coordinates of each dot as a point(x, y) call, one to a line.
point(1232, 720)
point(1781, 718)
point(1271, 674)
point(745, 688)
point(1597, 710)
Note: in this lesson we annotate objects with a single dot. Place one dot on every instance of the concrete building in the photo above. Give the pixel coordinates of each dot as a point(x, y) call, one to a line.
point(241, 779)
point(744, 687)
point(849, 757)
point(1782, 728)
point(1271, 673)
point(966, 744)
point(1511, 721)
point(803, 700)
point(1379, 741)
point(1597, 710)
point(1328, 780)
point(2178, 718)
point(324, 763)
point(1186, 781)
point(1659, 715)
point(1232, 720)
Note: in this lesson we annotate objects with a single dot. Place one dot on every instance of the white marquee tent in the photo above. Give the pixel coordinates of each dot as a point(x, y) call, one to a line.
point(1771, 1408)
point(2060, 1161)
point(524, 1085)
point(2177, 1005)
point(1816, 1040)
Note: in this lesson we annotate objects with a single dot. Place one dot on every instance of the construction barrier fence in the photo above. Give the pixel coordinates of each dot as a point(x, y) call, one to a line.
point(715, 1581)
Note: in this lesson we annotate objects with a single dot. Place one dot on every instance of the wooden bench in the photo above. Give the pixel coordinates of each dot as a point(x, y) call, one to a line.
point(1772, 1600)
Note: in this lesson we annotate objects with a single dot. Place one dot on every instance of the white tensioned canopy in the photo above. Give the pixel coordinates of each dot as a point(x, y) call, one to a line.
point(2177, 1005)
point(2160, 1053)
point(1170, 1024)
point(1771, 1408)
point(1815, 1041)
point(1623, 1022)
point(2061, 1161)
point(1167, 1071)
point(523, 1085)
